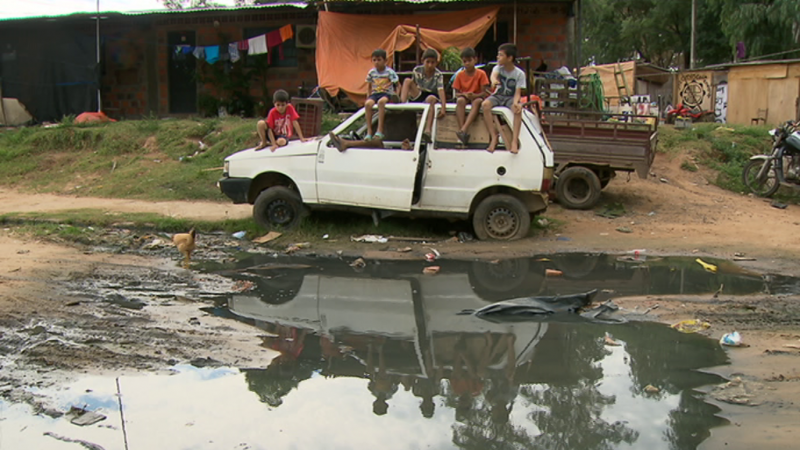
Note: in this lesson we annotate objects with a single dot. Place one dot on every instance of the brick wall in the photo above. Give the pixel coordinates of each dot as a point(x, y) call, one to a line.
point(542, 33)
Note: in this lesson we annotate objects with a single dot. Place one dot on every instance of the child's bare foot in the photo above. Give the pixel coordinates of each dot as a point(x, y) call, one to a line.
point(261, 146)
point(492, 145)
point(514, 149)
point(273, 148)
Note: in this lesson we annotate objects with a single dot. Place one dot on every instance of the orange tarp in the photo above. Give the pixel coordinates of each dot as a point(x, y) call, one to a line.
point(345, 42)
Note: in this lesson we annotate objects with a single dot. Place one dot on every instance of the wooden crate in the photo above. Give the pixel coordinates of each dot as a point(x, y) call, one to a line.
point(310, 111)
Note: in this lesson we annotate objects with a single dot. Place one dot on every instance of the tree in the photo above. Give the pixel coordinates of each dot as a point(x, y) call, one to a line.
point(764, 26)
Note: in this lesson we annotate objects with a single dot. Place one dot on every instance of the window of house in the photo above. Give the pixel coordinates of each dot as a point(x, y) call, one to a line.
point(287, 49)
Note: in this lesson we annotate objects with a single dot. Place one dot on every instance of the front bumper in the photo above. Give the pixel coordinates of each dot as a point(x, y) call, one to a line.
point(236, 189)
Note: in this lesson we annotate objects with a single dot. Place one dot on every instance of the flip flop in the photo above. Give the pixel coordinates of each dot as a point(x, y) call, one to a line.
point(379, 135)
point(462, 136)
point(337, 141)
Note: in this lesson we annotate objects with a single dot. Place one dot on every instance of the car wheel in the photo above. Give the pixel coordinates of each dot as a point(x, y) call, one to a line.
point(502, 217)
point(279, 208)
point(578, 188)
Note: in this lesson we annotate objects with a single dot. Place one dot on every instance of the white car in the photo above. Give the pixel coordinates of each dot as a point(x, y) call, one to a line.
point(497, 191)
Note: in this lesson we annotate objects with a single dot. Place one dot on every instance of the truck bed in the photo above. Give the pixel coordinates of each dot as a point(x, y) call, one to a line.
point(587, 140)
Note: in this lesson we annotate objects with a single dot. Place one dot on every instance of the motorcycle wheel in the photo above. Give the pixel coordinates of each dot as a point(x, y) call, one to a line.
point(767, 184)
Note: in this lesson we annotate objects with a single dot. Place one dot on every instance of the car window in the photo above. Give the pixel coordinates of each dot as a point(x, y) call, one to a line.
point(400, 130)
point(447, 127)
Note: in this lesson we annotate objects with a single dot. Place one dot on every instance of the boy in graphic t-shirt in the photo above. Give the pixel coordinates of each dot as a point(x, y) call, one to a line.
point(281, 123)
point(507, 81)
point(381, 84)
point(471, 85)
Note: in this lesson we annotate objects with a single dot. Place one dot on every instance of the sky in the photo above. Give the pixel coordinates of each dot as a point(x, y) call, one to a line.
point(34, 8)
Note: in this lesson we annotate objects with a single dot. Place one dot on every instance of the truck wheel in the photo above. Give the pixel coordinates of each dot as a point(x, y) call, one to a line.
point(578, 188)
point(502, 217)
point(278, 207)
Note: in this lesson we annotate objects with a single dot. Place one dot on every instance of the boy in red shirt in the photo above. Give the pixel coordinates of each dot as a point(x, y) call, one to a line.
point(471, 85)
point(281, 123)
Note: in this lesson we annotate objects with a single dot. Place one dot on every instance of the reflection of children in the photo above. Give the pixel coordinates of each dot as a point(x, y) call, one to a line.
point(381, 82)
point(471, 86)
point(281, 123)
point(508, 81)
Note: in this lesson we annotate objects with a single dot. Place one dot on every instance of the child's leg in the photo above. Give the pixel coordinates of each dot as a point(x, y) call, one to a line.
point(517, 126)
point(461, 112)
point(382, 112)
point(486, 105)
point(431, 101)
point(368, 114)
point(261, 128)
point(409, 89)
point(473, 113)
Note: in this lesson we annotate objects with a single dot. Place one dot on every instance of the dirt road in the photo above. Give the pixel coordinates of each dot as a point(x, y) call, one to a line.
point(672, 212)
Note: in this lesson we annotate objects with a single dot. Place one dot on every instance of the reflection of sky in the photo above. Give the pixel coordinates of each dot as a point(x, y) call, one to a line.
point(213, 408)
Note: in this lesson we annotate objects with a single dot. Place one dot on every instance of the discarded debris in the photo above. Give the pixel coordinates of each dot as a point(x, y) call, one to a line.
point(663, 180)
point(737, 392)
point(624, 230)
point(358, 263)
point(463, 236)
point(83, 417)
point(432, 255)
point(732, 340)
point(553, 273)
point(404, 249)
point(719, 291)
point(431, 270)
point(543, 260)
point(370, 238)
point(239, 234)
point(271, 236)
point(650, 309)
point(709, 267)
point(612, 211)
point(609, 340)
point(691, 326)
point(243, 285)
point(650, 389)
point(85, 444)
point(295, 247)
point(563, 238)
point(778, 205)
point(743, 258)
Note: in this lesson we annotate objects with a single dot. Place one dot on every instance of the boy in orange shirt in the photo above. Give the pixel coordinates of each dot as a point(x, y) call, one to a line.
point(471, 85)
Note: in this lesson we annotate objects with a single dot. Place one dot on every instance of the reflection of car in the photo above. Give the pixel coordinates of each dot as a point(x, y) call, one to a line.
point(498, 191)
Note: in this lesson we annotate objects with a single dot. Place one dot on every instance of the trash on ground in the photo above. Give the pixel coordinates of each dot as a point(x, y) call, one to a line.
point(650, 389)
point(431, 270)
point(691, 326)
point(732, 340)
point(543, 260)
point(650, 309)
point(563, 238)
point(239, 234)
point(709, 267)
point(543, 222)
point(358, 263)
point(609, 340)
point(737, 392)
point(612, 211)
point(743, 258)
point(85, 444)
point(463, 236)
point(404, 249)
point(243, 285)
point(663, 180)
point(325, 236)
point(271, 236)
point(624, 230)
point(794, 346)
point(778, 205)
point(83, 417)
point(432, 255)
point(370, 239)
point(553, 273)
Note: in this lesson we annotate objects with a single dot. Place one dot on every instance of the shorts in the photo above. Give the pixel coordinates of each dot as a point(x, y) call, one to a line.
point(379, 95)
point(501, 100)
point(423, 95)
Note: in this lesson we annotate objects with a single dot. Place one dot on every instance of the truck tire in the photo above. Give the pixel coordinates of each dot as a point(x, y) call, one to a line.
point(578, 188)
point(278, 207)
point(501, 217)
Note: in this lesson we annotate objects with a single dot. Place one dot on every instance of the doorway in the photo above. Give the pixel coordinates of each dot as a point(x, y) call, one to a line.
point(181, 83)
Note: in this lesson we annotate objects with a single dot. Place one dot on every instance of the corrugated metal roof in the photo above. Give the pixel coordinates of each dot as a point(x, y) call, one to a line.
point(160, 11)
point(749, 63)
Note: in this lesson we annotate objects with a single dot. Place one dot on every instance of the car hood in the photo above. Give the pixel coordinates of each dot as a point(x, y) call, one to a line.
point(294, 148)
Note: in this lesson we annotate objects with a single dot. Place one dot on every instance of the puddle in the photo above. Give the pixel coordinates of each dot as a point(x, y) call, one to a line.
point(378, 356)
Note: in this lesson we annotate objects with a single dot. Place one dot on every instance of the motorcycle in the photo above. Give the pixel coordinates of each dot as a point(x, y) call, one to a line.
point(764, 174)
point(697, 115)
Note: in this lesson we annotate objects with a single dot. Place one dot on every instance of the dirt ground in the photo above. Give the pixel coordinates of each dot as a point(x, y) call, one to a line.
point(673, 212)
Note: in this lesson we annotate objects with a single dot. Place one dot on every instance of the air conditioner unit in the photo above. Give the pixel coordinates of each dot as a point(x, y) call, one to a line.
point(306, 36)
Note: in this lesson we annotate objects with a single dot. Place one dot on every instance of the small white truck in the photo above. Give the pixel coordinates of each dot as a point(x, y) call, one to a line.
point(497, 191)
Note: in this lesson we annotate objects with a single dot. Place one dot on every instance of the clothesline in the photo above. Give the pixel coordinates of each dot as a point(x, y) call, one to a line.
point(232, 51)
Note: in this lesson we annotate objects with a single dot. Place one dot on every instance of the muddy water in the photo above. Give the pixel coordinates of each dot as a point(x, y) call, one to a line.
point(378, 356)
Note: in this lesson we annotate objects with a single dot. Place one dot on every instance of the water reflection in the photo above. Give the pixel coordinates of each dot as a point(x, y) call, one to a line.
point(551, 384)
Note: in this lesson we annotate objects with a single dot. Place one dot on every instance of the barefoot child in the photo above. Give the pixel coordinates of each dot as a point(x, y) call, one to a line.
point(381, 83)
point(472, 86)
point(426, 86)
point(281, 123)
point(507, 81)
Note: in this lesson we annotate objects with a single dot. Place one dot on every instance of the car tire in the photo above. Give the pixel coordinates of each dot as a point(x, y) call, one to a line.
point(501, 217)
point(578, 188)
point(279, 208)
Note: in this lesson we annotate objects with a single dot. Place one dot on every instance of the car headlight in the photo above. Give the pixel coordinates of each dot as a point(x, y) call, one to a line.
point(226, 168)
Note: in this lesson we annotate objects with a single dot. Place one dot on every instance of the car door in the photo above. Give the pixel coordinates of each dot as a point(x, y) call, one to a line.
point(381, 178)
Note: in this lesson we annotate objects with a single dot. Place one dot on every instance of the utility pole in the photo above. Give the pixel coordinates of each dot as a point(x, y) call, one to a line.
point(97, 68)
point(694, 26)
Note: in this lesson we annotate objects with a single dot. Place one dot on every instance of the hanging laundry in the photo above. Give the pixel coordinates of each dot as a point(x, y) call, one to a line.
point(212, 54)
point(187, 49)
point(286, 32)
point(233, 49)
point(258, 45)
point(199, 52)
point(224, 53)
point(243, 45)
point(274, 39)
